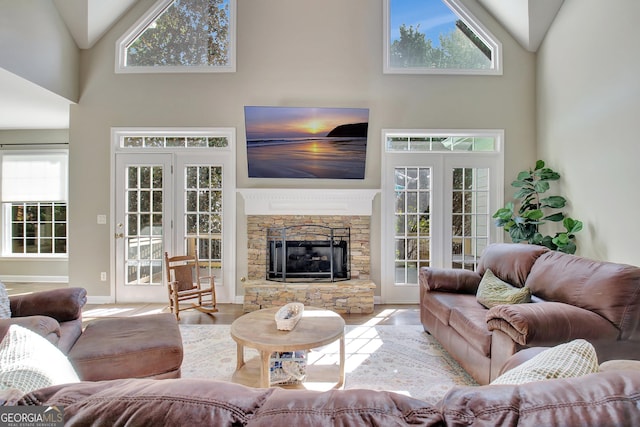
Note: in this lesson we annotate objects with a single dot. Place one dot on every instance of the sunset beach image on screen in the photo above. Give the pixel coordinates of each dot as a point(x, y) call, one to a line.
point(306, 142)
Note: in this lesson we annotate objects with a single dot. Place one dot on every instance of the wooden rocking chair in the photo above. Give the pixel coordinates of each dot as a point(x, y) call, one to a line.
point(184, 283)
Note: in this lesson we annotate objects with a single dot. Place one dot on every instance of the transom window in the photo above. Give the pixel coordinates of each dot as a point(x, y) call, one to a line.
point(181, 35)
point(437, 37)
point(440, 143)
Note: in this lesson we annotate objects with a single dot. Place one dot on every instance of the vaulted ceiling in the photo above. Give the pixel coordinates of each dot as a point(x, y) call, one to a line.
point(25, 105)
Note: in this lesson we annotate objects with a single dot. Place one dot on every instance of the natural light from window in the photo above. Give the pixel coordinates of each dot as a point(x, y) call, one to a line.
point(181, 36)
point(437, 36)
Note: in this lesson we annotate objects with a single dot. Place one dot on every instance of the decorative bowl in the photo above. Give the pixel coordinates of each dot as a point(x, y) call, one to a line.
point(288, 316)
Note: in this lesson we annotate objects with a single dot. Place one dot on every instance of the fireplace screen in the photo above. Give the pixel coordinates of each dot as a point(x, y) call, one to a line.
point(308, 253)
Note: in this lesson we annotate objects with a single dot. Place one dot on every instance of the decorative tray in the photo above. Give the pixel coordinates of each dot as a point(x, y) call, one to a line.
point(288, 316)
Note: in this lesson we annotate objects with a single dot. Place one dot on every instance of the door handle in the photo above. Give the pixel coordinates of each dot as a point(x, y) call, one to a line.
point(119, 235)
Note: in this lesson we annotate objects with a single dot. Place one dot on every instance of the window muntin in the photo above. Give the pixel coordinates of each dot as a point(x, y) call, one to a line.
point(34, 203)
point(203, 216)
point(470, 216)
point(412, 222)
point(38, 228)
point(160, 139)
point(181, 36)
point(437, 37)
point(423, 142)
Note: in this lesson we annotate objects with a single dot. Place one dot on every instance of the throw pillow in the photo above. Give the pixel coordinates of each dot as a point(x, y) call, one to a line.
point(493, 291)
point(573, 359)
point(5, 306)
point(29, 362)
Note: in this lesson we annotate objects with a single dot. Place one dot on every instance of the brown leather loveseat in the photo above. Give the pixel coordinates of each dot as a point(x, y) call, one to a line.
point(572, 297)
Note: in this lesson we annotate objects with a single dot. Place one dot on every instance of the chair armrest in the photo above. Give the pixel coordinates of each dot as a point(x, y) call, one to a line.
point(549, 323)
point(62, 304)
point(449, 280)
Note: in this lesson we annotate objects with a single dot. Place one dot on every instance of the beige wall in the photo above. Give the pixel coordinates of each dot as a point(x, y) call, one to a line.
point(588, 105)
point(290, 52)
point(36, 45)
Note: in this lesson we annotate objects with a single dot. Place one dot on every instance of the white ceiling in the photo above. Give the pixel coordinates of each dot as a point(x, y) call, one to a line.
point(24, 105)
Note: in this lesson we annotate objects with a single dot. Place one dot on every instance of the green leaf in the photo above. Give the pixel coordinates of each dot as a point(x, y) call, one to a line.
point(534, 214)
point(539, 164)
point(556, 217)
point(572, 225)
point(549, 175)
point(524, 175)
point(541, 186)
point(522, 193)
point(555, 202)
point(518, 183)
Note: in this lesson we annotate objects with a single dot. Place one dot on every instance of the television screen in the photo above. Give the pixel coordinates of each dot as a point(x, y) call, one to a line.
point(304, 142)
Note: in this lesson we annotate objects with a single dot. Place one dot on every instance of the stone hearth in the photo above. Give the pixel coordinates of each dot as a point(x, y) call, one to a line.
point(349, 296)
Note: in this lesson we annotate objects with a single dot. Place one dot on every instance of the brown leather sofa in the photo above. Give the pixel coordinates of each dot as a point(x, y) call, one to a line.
point(602, 399)
point(572, 297)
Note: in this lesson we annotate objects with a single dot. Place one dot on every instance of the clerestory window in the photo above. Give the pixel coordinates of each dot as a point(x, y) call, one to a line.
point(180, 36)
point(437, 37)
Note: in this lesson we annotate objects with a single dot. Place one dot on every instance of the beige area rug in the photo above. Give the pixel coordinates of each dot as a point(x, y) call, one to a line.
point(403, 359)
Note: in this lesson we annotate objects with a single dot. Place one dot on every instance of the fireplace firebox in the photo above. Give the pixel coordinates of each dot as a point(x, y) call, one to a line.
point(308, 253)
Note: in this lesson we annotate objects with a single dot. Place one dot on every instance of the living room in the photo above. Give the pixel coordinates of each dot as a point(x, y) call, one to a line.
point(552, 104)
point(551, 100)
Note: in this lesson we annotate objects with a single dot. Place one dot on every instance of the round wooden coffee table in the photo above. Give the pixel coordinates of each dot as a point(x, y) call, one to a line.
point(257, 329)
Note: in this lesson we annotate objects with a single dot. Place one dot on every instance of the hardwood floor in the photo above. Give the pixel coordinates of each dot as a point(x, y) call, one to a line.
point(383, 314)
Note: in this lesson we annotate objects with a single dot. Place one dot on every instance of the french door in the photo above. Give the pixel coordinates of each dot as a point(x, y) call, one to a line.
point(143, 223)
point(437, 210)
point(178, 202)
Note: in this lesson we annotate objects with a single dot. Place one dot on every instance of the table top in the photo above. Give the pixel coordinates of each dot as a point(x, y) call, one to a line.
point(316, 328)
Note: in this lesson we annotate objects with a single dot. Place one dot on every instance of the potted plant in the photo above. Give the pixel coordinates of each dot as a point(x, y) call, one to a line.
point(534, 210)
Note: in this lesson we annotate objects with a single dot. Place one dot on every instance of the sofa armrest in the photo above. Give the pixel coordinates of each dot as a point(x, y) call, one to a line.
point(45, 326)
point(549, 323)
point(449, 280)
point(62, 304)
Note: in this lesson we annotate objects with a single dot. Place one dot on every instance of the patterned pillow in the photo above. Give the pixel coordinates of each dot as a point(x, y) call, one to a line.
point(493, 291)
point(29, 362)
point(5, 307)
point(573, 359)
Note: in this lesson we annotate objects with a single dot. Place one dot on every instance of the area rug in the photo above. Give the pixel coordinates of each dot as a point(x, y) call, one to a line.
point(403, 359)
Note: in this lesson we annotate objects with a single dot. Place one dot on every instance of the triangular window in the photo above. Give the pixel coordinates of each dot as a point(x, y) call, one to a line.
point(437, 37)
point(181, 36)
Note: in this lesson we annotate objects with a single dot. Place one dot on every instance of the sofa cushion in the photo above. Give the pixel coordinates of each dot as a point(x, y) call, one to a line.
point(573, 359)
point(29, 362)
point(470, 322)
point(440, 304)
point(5, 305)
point(509, 261)
point(492, 291)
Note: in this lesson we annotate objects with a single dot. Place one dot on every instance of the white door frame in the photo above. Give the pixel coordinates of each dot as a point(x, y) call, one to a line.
point(441, 190)
point(225, 156)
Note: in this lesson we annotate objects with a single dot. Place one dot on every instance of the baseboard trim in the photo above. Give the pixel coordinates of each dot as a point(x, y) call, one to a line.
point(34, 279)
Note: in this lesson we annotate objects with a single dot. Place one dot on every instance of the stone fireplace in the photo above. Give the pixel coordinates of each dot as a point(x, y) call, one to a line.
point(280, 208)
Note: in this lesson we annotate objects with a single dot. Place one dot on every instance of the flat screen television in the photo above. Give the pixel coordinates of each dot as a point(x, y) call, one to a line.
point(306, 142)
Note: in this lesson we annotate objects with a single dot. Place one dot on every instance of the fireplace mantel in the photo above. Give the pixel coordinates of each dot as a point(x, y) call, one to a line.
point(290, 201)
